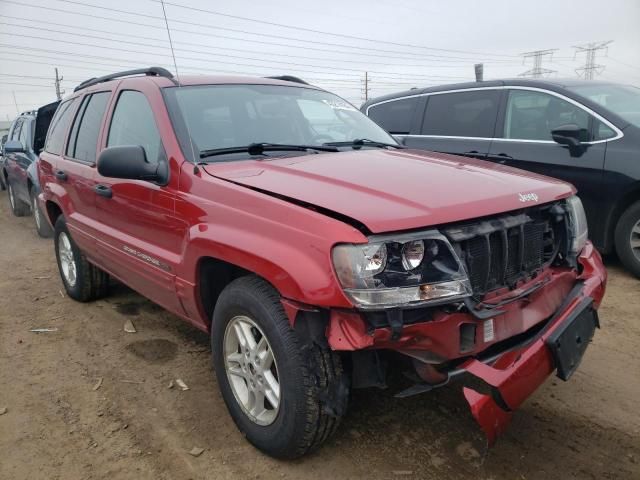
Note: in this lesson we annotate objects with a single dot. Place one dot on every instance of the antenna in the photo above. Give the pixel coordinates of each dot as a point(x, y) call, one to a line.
point(196, 170)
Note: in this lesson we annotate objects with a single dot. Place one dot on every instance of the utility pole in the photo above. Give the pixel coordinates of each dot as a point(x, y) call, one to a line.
point(479, 71)
point(590, 67)
point(59, 79)
point(537, 71)
point(365, 92)
point(15, 102)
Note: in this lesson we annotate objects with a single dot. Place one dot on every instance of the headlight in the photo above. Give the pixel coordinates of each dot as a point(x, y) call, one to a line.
point(402, 270)
point(412, 254)
point(578, 224)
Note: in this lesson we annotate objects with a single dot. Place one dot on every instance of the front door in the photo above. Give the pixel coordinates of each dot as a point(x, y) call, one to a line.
point(524, 141)
point(140, 239)
point(16, 163)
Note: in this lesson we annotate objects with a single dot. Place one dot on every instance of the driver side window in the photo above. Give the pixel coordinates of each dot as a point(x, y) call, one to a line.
point(133, 123)
point(532, 115)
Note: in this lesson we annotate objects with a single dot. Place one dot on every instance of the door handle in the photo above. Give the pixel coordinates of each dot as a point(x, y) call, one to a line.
point(60, 175)
point(103, 191)
point(471, 153)
point(501, 158)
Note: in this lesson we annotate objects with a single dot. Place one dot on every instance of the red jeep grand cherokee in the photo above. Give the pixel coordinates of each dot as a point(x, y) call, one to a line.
point(317, 252)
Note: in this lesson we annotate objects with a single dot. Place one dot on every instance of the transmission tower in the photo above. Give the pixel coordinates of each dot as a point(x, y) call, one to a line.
point(537, 71)
point(590, 68)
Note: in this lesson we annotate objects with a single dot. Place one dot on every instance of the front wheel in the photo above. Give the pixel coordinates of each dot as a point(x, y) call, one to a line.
point(285, 395)
point(82, 280)
point(627, 238)
point(42, 226)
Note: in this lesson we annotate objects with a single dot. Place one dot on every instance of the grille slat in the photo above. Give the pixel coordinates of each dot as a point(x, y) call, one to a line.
point(503, 256)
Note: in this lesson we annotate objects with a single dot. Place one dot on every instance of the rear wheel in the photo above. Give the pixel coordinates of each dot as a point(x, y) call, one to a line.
point(82, 280)
point(285, 395)
point(627, 238)
point(42, 225)
point(18, 207)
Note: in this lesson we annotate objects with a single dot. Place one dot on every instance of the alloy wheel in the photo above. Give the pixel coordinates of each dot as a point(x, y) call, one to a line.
point(634, 240)
point(252, 370)
point(67, 261)
point(36, 212)
point(12, 199)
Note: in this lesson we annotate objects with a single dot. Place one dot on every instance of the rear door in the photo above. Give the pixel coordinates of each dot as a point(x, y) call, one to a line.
point(9, 158)
point(24, 159)
point(73, 173)
point(16, 163)
point(524, 141)
point(459, 122)
point(141, 240)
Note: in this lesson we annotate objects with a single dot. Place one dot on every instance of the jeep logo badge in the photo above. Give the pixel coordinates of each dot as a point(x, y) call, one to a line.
point(528, 197)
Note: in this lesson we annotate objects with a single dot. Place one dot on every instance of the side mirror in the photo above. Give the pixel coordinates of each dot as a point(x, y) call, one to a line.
point(130, 162)
point(13, 146)
point(570, 135)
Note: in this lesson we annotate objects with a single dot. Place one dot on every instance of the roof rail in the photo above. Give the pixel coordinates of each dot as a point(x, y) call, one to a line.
point(289, 78)
point(151, 71)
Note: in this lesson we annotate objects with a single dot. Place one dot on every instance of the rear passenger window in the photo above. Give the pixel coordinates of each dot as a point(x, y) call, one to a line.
point(86, 128)
point(395, 116)
point(462, 114)
point(133, 124)
point(59, 124)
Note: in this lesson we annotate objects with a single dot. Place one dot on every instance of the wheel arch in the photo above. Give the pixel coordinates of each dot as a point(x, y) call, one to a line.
point(53, 211)
point(627, 199)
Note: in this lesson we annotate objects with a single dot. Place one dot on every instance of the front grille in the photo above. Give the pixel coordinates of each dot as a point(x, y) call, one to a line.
point(498, 252)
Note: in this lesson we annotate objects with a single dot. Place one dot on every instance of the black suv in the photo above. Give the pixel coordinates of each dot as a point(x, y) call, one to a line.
point(584, 132)
point(18, 168)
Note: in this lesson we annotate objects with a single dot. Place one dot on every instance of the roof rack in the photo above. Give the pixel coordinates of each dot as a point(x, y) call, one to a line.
point(150, 71)
point(289, 78)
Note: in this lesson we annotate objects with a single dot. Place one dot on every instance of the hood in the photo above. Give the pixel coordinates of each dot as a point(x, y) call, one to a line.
point(391, 190)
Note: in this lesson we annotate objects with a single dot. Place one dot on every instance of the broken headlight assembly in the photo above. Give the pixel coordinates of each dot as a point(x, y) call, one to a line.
point(577, 225)
point(404, 270)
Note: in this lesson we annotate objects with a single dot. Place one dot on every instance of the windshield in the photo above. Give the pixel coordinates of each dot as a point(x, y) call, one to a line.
point(623, 100)
point(224, 116)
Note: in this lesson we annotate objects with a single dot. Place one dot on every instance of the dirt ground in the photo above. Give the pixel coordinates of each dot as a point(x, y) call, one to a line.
point(58, 426)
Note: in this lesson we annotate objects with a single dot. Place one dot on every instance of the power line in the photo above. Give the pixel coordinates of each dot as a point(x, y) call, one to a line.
point(311, 30)
point(363, 51)
point(217, 62)
point(97, 37)
point(590, 50)
point(537, 71)
point(459, 64)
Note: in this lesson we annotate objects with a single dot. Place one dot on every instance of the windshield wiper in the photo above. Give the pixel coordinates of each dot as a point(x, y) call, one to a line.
point(361, 142)
point(260, 148)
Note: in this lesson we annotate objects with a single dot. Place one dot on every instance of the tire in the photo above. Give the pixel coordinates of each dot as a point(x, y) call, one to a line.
point(313, 390)
point(627, 238)
point(18, 207)
point(42, 225)
point(88, 282)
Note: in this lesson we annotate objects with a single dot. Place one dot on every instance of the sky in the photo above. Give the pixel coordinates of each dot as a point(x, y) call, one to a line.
point(400, 44)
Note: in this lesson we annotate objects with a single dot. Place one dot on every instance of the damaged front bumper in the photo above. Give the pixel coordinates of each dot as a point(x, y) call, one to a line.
point(561, 314)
